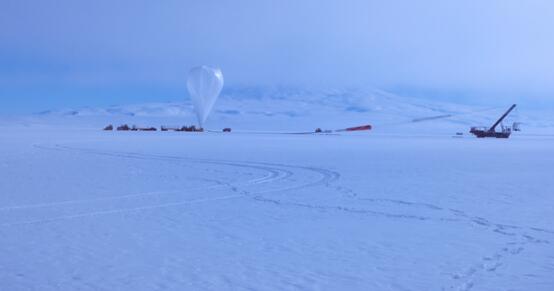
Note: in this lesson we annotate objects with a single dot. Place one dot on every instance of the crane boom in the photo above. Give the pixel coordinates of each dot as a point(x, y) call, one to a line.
point(493, 127)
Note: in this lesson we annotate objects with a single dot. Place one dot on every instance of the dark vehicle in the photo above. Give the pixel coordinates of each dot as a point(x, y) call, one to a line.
point(123, 127)
point(506, 131)
point(191, 128)
point(109, 127)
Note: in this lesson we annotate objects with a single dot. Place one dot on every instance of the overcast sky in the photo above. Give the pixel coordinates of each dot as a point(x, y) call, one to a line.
point(68, 53)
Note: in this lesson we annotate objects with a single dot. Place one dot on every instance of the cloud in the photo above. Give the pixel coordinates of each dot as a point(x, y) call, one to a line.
point(483, 48)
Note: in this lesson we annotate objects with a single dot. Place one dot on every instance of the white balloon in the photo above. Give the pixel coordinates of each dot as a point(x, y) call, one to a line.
point(204, 85)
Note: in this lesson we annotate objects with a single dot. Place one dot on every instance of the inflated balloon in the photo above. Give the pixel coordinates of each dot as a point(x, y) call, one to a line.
point(204, 85)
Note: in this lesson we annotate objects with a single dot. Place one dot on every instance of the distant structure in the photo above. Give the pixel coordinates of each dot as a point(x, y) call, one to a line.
point(191, 128)
point(146, 128)
point(506, 131)
point(123, 127)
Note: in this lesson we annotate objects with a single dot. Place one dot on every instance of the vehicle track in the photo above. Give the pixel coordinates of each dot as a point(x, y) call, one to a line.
point(274, 173)
point(518, 238)
point(278, 171)
point(270, 176)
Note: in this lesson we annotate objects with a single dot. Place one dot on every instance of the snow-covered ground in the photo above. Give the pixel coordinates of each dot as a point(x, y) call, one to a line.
point(403, 207)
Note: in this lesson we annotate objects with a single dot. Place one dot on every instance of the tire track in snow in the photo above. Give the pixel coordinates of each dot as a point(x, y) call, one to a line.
point(218, 184)
point(274, 174)
point(326, 178)
point(124, 210)
point(280, 171)
point(487, 265)
point(503, 229)
point(464, 280)
point(108, 198)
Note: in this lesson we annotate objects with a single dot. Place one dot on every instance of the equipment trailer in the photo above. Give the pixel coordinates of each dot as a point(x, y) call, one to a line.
point(491, 132)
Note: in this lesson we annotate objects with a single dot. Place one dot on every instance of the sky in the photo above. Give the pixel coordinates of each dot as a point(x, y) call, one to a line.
point(68, 53)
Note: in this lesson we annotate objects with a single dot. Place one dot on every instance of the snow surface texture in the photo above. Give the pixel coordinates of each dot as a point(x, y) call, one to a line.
point(414, 209)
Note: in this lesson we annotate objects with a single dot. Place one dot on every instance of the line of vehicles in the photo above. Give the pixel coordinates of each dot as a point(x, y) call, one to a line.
point(479, 132)
point(193, 128)
point(126, 127)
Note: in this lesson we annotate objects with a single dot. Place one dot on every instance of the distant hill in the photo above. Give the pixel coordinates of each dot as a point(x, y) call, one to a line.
point(299, 109)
